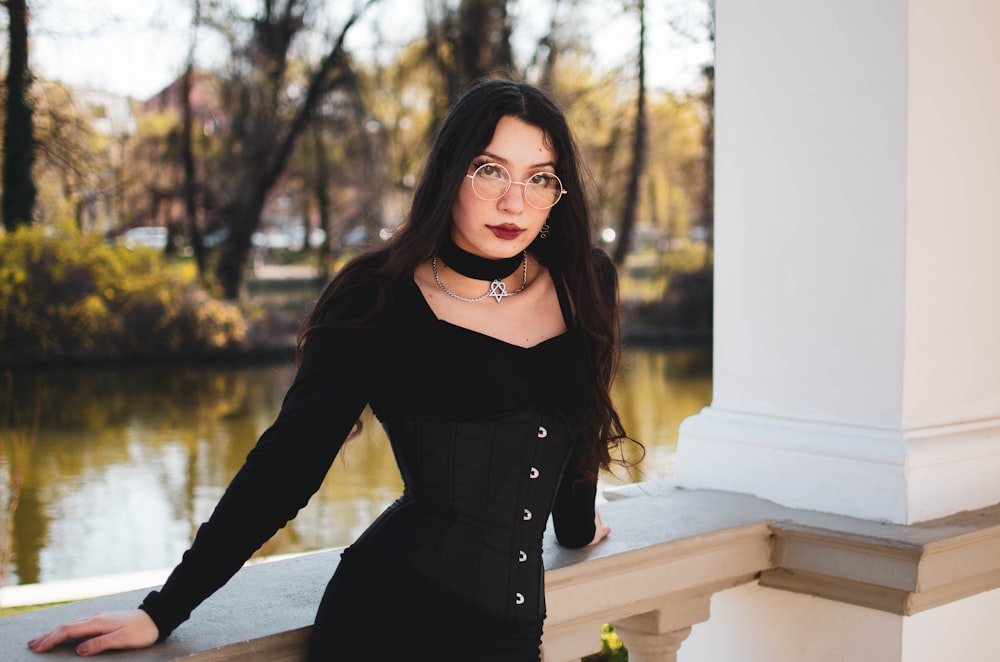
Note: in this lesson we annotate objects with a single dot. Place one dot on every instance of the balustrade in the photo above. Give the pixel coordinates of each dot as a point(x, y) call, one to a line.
point(653, 578)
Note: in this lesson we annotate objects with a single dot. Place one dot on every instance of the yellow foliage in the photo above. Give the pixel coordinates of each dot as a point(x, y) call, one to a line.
point(63, 295)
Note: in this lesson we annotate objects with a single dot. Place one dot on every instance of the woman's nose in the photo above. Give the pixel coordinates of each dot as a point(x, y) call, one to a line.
point(513, 199)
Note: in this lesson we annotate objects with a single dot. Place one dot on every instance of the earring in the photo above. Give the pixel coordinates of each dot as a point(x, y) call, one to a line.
point(544, 231)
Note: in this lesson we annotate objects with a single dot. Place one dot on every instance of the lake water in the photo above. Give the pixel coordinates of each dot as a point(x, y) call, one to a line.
point(125, 462)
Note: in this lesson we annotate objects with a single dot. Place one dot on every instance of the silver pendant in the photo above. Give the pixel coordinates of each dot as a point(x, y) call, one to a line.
point(498, 289)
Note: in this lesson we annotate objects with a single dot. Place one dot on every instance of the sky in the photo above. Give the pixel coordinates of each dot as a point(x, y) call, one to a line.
point(137, 47)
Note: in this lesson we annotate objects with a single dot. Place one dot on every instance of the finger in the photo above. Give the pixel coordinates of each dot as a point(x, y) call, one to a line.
point(95, 645)
point(73, 630)
point(49, 640)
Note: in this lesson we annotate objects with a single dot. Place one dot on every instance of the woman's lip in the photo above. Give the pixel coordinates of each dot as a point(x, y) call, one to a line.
point(506, 231)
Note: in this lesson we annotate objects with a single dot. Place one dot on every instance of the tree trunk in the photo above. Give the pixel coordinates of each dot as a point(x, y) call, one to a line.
point(187, 152)
point(190, 178)
point(18, 139)
point(708, 139)
point(468, 43)
point(638, 151)
point(262, 137)
point(243, 219)
point(549, 49)
point(484, 42)
point(322, 193)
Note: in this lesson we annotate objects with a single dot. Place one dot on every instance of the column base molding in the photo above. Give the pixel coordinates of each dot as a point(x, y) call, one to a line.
point(897, 476)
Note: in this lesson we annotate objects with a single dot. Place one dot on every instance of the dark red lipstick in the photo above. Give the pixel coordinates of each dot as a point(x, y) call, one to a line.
point(507, 231)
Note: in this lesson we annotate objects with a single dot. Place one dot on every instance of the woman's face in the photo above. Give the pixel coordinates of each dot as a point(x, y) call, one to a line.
point(505, 226)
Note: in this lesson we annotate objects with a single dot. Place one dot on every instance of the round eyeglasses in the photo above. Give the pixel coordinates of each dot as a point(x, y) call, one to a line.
point(491, 181)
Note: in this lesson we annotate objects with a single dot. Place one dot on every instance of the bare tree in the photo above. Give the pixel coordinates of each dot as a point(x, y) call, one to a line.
point(708, 197)
point(708, 141)
point(267, 116)
point(639, 147)
point(75, 163)
point(696, 23)
point(548, 50)
point(190, 185)
point(18, 139)
point(465, 43)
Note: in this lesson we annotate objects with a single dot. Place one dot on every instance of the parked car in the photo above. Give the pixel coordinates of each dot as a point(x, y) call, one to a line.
point(146, 237)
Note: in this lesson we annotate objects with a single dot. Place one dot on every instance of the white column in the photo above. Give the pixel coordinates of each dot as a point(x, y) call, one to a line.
point(857, 270)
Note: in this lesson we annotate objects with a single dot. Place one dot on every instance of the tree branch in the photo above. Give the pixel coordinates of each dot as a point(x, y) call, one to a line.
point(319, 85)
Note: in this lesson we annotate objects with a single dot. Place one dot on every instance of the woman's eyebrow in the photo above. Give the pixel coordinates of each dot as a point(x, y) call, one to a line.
point(502, 160)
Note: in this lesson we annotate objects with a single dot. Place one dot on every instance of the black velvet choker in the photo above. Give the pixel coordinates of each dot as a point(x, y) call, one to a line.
point(474, 266)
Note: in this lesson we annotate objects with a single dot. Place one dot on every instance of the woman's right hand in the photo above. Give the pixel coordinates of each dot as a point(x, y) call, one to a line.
point(601, 530)
point(101, 632)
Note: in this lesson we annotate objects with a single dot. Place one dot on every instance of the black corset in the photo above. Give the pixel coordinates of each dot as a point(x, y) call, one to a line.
point(476, 500)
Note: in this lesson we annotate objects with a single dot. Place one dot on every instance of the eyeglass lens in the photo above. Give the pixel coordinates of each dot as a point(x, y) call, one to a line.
point(491, 181)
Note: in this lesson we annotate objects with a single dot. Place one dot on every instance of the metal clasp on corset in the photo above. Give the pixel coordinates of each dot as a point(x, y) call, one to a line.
point(478, 495)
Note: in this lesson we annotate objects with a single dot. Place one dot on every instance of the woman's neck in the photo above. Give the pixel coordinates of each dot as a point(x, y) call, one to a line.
point(475, 266)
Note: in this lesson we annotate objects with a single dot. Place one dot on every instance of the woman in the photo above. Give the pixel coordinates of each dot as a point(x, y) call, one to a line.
point(484, 337)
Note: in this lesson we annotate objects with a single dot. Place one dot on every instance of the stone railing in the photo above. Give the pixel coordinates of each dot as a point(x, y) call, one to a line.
point(669, 551)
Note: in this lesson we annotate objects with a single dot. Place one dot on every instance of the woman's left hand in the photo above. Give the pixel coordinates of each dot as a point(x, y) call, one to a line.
point(600, 530)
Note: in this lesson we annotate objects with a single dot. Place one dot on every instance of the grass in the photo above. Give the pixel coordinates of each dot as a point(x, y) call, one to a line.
point(14, 611)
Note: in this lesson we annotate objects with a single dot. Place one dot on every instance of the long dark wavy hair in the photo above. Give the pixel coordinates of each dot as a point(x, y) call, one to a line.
point(568, 251)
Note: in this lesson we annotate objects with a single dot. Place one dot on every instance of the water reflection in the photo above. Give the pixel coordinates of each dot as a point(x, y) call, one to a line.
point(127, 461)
point(654, 392)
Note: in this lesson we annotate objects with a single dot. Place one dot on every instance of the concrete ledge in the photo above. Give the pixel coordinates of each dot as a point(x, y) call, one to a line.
point(669, 551)
point(263, 613)
point(894, 568)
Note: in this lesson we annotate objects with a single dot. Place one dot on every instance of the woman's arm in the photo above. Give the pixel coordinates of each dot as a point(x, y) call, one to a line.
point(574, 516)
point(280, 474)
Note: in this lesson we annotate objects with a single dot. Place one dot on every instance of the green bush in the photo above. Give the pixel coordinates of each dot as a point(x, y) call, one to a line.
point(72, 296)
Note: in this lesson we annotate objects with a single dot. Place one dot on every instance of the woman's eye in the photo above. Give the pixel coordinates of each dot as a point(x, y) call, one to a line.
point(492, 171)
point(543, 179)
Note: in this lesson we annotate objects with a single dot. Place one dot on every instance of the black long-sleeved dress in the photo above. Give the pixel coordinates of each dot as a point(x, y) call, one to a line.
point(484, 433)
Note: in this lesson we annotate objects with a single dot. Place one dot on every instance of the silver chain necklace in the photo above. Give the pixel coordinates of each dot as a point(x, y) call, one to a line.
point(498, 289)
